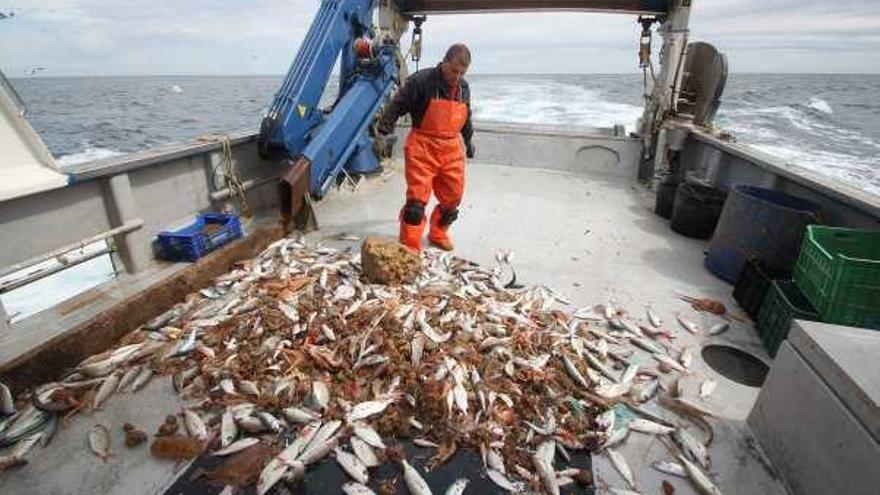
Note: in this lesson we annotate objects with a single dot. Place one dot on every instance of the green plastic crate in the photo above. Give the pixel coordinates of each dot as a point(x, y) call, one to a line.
point(839, 272)
point(783, 303)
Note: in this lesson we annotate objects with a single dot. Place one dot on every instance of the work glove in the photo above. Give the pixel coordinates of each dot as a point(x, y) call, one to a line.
point(470, 149)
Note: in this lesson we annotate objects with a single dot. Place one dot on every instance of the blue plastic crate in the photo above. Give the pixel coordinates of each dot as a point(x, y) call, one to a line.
point(192, 242)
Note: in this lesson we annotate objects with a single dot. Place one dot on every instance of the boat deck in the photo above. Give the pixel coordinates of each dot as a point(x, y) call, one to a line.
point(593, 238)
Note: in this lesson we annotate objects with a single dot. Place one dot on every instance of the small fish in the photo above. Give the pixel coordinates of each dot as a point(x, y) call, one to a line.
point(670, 467)
point(654, 319)
point(458, 486)
point(672, 363)
point(270, 422)
point(414, 481)
point(573, 372)
point(228, 429)
point(418, 347)
point(195, 426)
point(364, 452)
point(719, 328)
point(249, 387)
point(692, 447)
point(542, 460)
point(276, 468)
point(703, 483)
point(297, 415)
point(501, 480)
point(650, 427)
point(237, 446)
point(707, 387)
point(686, 357)
point(105, 390)
point(644, 391)
point(364, 410)
point(128, 377)
point(352, 465)
point(142, 378)
point(622, 491)
point(355, 488)
point(622, 466)
point(7, 405)
point(99, 441)
point(369, 435)
point(688, 325)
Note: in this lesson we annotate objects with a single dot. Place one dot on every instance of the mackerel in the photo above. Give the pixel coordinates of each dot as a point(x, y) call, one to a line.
point(702, 482)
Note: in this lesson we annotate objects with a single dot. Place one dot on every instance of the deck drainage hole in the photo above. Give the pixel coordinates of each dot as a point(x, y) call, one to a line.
point(736, 365)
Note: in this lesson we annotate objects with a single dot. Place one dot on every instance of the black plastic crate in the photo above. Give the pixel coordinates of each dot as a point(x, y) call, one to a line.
point(750, 289)
point(783, 304)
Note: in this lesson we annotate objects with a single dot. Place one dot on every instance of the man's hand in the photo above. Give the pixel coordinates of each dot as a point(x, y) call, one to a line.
point(470, 149)
point(384, 129)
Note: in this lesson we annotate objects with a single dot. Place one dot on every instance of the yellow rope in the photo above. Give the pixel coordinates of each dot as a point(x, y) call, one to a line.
point(230, 174)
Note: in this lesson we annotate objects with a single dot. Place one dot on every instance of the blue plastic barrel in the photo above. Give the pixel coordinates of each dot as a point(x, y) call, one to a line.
point(759, 223)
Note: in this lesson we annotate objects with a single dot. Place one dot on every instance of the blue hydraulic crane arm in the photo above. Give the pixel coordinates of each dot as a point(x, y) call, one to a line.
point(294, 111)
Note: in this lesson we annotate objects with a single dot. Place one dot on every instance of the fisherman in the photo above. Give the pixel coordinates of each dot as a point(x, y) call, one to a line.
point(438, 100)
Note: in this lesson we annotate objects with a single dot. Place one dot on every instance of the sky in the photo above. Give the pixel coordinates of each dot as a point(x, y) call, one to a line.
point(176, 37)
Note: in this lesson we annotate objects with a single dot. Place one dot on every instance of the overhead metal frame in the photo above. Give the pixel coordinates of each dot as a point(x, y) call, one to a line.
point(413, 7)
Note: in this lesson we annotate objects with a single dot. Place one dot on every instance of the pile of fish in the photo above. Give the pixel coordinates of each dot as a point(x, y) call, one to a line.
point(290, 359)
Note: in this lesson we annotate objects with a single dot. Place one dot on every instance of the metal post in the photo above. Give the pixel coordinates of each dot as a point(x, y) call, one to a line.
point(674, 32)
point(4, 322)
point(134, 247)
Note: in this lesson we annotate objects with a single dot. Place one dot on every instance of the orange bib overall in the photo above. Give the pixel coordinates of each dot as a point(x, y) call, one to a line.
point(434, 161)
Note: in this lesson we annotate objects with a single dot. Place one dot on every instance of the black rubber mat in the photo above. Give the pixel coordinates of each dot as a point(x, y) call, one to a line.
point(327, 477)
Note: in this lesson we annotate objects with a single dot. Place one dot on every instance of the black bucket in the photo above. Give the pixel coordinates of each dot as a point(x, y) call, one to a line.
point(697, 209)
point(763, 224)
point(665, 199)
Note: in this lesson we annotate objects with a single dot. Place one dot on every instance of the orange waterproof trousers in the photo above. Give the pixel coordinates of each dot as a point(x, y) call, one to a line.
point(434, 162)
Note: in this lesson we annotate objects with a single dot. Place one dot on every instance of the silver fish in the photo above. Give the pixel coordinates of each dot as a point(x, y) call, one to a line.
point(364, 452)
point(249, 387)
point(719, 329)
point(318, 450)
point(364, 410)
point(7, 405)
point(105, 390)
point(368, 434)
point(672, 363)
point(237, 446)
point(621, 465)
point(418, 347)
point(352, 465)
point(128, 377)
point(707, 387)
point(573, 372)
point(692, 447)
point(276, 468)
point(644, 391)
point(297, 415)
point(688, 325)
point(99, 441)
point(686, 357)
point(458, 486)
point(703, 483)
point(304, 437)
point(271, 422)
point(670, 467)
point(228, 429)
point(650, 427)
point(142, 378)
point(354, 488)
point(501, 480)
point(414, 481)
point(195, 426)
point(654, 319)
point(542, 459)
